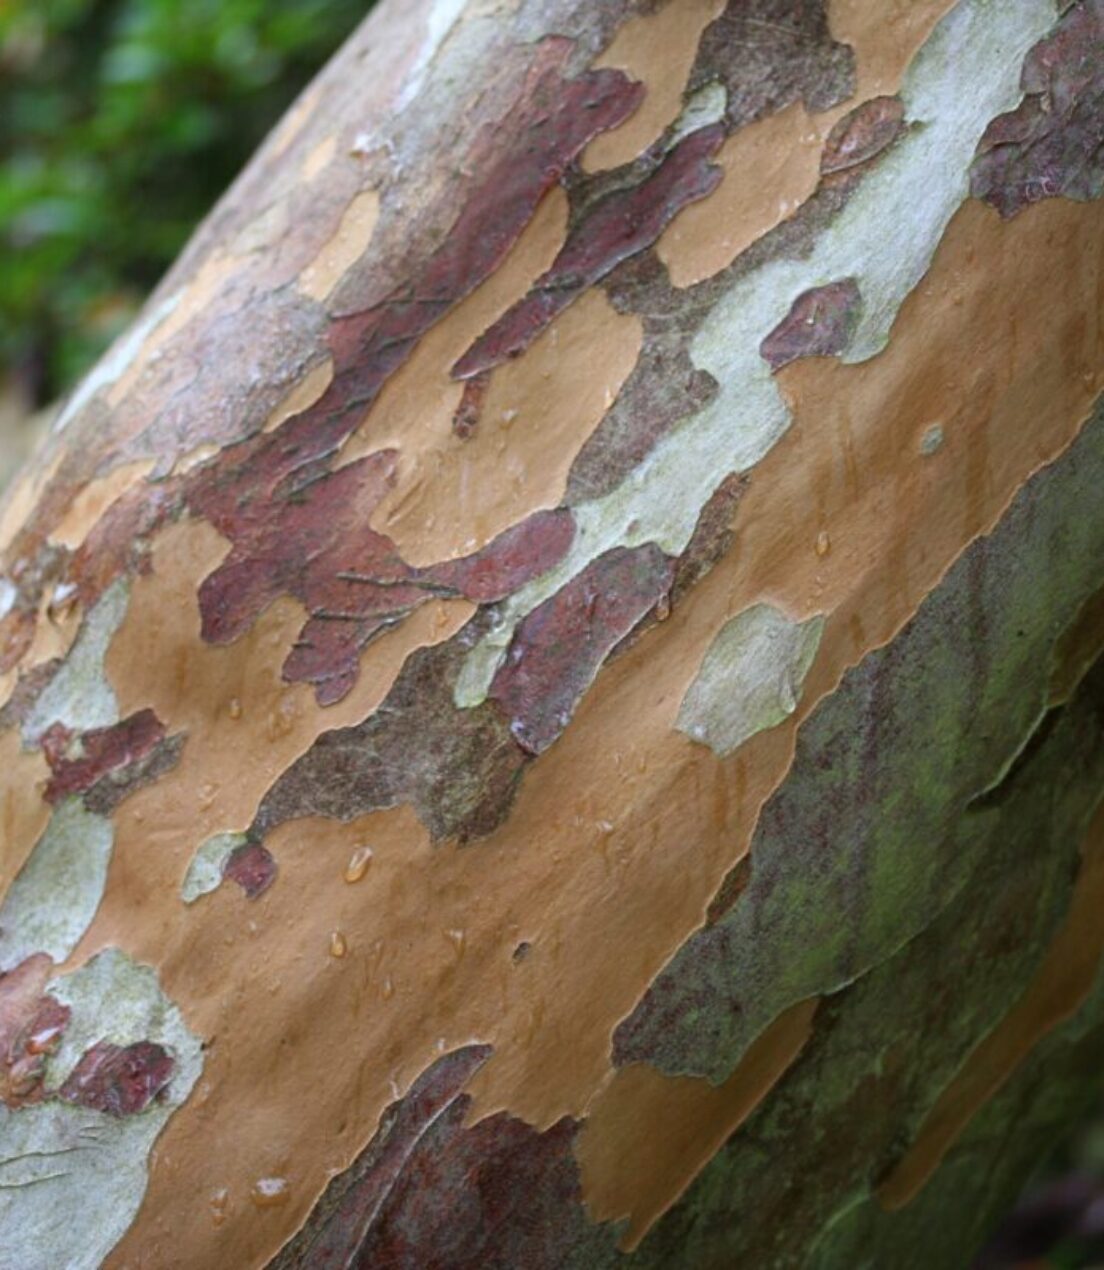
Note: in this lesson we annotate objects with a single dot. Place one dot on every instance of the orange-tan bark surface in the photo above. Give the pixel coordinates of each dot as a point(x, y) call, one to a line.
point(563, 388)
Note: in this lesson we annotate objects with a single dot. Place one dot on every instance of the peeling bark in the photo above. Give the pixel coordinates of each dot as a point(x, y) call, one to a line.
point(551, 686)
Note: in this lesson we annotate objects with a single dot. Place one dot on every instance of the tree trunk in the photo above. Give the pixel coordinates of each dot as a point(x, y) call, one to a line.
point(554, 701)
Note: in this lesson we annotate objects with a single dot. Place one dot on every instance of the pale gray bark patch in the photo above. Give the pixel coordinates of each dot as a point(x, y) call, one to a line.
point(116, 361)
point(72, 1178)
point(55, 895)
point(704, 107)
point(79, 695)
point(205, 870)
point(751, 677)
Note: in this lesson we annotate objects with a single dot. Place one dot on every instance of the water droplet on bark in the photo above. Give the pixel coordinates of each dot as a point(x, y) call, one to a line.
point(270, 1192)
point(358, 864)
point(219, 1200)
point(931, 440)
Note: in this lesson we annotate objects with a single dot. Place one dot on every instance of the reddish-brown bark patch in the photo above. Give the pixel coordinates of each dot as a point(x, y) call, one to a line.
point(862, 133)
point(618, 226)
point(1053, 142)
point(353, 597)
point(253, 488)
point(354, 771)
point(429, 1193)
point(819, 324)
point(559, 648)
point(116, 1079)
point(79, 761)
point(118, 544)
point(323, 528)
point(292, 521)
point(343, 1218)
point(513, 558)
point(767, 55)
point(31, 1024)
point(112, 788)
point(253, 868)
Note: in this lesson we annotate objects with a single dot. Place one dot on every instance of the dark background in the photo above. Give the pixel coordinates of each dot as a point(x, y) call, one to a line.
point(121, 121)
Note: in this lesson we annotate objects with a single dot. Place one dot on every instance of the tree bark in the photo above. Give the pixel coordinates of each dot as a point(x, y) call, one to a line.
point(554, 707)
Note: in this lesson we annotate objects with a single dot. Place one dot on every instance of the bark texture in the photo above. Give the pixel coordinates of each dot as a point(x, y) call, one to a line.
point(554, 708)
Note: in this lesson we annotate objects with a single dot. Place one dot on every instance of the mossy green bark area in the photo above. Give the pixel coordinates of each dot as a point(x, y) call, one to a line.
point(918, 902)
point(980, 1179)
point(998, 801)
point(795, 1185)
point(872, 835)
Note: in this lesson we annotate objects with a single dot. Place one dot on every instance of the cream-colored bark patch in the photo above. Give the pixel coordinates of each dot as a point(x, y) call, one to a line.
point(750, 679)
point(538, 411)
point(20, 497)
point(305, 393)
point(349, 242)
point(23, 811)
point(318, 157)
point(414, 413)
point(202, 453)
point(658, 49)
point(770, 168)
point(56, 627)
point(263, 231)
point(296, 119)
point(229, 700)
point(884, 36)
point(55, 895)
point(609, 858)
point(97, 496)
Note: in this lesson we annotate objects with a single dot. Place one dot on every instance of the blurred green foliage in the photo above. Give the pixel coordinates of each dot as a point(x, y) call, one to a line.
point(121, 122)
